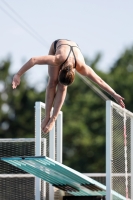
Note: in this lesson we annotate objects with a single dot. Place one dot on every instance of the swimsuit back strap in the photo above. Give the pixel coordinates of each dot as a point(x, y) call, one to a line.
point(71, 49)
point(74, 55)
point(67, 56)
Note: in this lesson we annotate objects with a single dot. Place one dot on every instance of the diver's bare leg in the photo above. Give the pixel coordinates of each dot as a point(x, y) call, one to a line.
point(58, 102)
point(50, 90)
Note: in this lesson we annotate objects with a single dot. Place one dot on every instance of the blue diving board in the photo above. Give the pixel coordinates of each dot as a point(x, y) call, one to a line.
point(61, 176)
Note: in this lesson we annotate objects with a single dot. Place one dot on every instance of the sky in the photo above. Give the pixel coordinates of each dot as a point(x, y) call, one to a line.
point(29, 27)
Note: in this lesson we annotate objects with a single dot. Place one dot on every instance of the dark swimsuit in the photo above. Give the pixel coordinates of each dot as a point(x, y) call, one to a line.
point(71, 49)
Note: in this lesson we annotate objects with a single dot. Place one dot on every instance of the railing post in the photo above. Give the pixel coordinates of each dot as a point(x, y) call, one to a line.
point(59, 137)
point(37, 146)
point(108, 149)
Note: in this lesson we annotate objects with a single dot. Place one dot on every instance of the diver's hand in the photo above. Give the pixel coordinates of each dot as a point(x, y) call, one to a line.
point(16, 81)
point(119, 100)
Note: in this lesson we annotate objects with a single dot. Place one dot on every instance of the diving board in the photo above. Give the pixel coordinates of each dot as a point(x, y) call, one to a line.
point(61, 176)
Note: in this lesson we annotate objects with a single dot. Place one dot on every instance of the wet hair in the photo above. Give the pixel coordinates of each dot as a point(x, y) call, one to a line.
point(66, 76)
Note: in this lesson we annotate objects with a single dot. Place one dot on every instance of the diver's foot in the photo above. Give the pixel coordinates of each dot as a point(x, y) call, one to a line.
point(49, 126)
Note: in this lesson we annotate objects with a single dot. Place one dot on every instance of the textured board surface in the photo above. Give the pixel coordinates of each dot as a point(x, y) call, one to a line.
point(61, 176)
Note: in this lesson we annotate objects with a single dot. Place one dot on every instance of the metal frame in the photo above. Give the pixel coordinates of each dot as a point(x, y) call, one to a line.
point(37, 147)
point(37, 180)
point(108, 149)
point(109, 105)
point(131, 156)
point(38, 106)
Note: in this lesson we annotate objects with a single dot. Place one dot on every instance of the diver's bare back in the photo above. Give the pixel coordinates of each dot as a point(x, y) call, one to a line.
point(63, 48)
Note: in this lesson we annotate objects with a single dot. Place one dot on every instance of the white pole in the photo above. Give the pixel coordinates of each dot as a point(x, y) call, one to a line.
point(43, 183)
point(108, 149)
point(131, 157)
point(52, 143)
point(52, 156)
point(37, 145)
point(125, 154)
point(59, 137)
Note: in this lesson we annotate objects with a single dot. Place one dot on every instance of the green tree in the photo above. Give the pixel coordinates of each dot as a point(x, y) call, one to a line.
point(121, 76)
point(17, 106)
